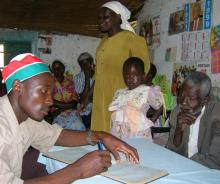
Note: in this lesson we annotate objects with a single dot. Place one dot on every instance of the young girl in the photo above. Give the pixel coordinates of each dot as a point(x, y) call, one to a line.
point(130, 105)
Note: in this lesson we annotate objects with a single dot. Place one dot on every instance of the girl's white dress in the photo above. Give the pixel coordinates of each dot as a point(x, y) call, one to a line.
point(129, 108)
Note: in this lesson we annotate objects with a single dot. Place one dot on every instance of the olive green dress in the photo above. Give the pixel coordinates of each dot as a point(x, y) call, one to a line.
point(110, 56)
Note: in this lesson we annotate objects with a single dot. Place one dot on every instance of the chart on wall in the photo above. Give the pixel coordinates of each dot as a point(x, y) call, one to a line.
point(196, 46)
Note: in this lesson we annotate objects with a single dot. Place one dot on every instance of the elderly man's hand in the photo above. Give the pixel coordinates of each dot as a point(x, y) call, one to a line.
point(184, 119)
point(115, 145)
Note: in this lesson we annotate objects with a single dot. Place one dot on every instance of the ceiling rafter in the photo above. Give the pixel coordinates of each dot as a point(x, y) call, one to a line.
point(68, 16)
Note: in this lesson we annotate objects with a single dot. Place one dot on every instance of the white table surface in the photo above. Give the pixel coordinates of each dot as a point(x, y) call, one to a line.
point(181, 170)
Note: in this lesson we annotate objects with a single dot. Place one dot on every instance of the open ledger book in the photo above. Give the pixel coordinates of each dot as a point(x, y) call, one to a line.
point(124, 172)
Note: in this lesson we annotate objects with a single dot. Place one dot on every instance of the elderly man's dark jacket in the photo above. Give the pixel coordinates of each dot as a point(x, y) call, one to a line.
point(208, 140)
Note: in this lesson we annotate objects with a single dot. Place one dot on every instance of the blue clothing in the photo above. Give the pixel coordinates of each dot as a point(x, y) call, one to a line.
point(65, 92)
point(71, 122)
point(79, 82)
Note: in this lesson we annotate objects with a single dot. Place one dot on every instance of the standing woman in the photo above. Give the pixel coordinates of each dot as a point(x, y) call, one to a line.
point(121, 43)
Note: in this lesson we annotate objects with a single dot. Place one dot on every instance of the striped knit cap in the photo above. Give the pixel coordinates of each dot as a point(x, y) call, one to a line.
point(22, 67)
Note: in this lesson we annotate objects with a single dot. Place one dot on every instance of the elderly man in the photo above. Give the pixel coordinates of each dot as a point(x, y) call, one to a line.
point(195, 122)
point(84, 84)
point(29, 86)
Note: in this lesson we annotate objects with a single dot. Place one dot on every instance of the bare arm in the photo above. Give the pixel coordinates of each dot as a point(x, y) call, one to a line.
point(183, 119)
point(72, 138)
point(89, 95)
point(177, 137)
point(86, 88)
point(86, 99)
point(154, 114)
point(112, 143)
point(92, 163)
point(61, 176)
point(89, 165)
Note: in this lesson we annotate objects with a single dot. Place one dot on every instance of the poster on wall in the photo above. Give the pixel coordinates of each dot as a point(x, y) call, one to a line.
point(203, 67)
point(146, 31)
point(186, 16)
point(156, 30)
point(215, 49)
point(150, 30)
point(215, 38)
point(44, 44)
point(176, 23)
point(196, 46)
point(208, 14)
point(215, 64)
point(198, 15)
point(180, 72)
point(170, 55)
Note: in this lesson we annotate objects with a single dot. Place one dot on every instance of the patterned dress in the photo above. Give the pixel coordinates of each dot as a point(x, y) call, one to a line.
point(129, 108)
point(65, 92)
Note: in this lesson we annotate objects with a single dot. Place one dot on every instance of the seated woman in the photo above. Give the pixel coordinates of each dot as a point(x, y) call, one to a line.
point(65, 99)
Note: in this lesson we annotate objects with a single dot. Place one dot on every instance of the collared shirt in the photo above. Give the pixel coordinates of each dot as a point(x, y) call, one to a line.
point(193, 135)
point(79, 81)
point(16, 138)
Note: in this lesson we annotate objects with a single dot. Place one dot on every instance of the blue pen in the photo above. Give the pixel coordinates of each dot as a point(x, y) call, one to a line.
point(100, 145)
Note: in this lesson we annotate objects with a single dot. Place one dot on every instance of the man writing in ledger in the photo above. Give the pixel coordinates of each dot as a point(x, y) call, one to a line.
point(195, 122)
point(29, 96)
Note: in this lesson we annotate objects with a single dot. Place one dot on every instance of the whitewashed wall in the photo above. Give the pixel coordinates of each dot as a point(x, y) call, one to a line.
point(67, 48)
point(165, 8)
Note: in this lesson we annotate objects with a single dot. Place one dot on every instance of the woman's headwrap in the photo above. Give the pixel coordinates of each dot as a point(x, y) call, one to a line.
point(120, 9)
point(22, 67)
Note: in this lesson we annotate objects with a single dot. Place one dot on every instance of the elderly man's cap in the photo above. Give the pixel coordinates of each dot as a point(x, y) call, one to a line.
point(22, 67)
point(84, 56)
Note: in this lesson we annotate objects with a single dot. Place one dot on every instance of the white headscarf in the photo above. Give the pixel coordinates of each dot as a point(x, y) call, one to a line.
point(120, 9)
